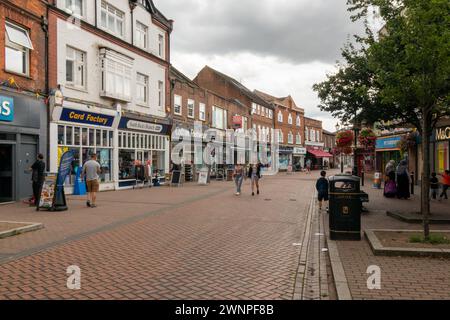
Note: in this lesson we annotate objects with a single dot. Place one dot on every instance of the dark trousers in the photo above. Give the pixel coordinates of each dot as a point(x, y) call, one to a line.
point(37, 192)
point(444, 191)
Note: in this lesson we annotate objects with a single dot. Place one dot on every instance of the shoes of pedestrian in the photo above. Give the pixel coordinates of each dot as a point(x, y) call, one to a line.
point(253, 194)
point(257, 192)
point(93, 206)
point(88, 203)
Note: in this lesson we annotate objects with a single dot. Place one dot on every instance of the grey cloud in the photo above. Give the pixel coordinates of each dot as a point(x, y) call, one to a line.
point(299, 31)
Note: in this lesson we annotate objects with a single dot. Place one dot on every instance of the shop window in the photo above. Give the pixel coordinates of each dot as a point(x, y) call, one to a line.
point(76, 135)
point(69, 136)
point(61, 135)
point(17, 49)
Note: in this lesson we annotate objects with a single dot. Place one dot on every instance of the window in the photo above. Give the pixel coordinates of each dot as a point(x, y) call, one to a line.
point(312, 135)
point(17, 49)
point(280, 136)
point(161, 45)
point(219, 118)
point(142, 89)
point(271, 114)
point(306, 134)
point(244, 123)
point(160, 94)
point(290, 119)
point(298, 121)
point(177, 105)
point(141, 35)
point(191, 108)
point(117, 74)
point(202, 112)
point(253, 108)
point(75, 68)
point(280, 116)
point(298, 139)
point(112, 19)
point(290, 138)
point(258, 109)
point(75, 7)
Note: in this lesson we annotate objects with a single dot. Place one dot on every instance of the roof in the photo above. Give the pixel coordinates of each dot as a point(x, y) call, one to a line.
point(328, 132)
point(151, 8)
point(281, 101)
point(320, 154)
point(178, 75)
point(243, 89)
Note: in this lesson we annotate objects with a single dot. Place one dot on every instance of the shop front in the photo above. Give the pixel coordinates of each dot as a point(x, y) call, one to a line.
point(23, 134)
point(285, 157)
point(85, 131)
point(298, 156)
point(319, 158)
point(440, 142)
point(142, 144)
point(387, 149)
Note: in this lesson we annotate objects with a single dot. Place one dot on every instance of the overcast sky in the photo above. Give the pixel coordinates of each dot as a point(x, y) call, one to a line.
point(281, 47)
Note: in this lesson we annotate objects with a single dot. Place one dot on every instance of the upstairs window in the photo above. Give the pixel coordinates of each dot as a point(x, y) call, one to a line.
point(116, 75)
point(142, 89)
point(298, 139)
point(298, 121)
point(75, 7)
point(141, 35)
point(191, 108)
point(202, 112)
point(219, 118)
point(280, 136)
point(161, 46)
point(290, 138)
point(280, 117)
point(290, 119)
point(253, 108)
point(160, 94)
point(17, 49)
point(75, 68)
point(177, 105)
point(112, 19)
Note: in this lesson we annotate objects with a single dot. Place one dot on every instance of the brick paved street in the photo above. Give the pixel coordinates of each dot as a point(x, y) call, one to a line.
point(168, 243)
point(401, 277)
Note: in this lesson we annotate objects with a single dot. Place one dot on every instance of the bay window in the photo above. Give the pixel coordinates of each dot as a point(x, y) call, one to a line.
point(116, 75)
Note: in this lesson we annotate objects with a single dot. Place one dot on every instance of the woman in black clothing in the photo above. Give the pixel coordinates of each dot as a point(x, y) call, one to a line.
point(254, 173)
point(403, 181)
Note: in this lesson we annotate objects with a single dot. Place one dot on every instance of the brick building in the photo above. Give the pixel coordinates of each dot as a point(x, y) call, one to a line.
point(289, 120)
point(110, 59)
point(254, 111)
point(314, 142)
point(329, 140)
point(23, 90)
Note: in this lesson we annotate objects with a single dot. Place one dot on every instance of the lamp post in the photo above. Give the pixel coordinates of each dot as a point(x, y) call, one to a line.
point(355, 154)
point(338, 128)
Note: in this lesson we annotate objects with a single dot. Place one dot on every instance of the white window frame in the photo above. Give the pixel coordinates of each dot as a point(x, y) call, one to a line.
point(290, 119)
point(141, 36)
point(69, 4)
point(76, 68)
point(109, 10)
point(178, 102)
point(290, 138)
point(116, 66)
point(215, 111)
point(191, 109)
point(280, 117)
point(202, 111)
point(298, 121)
point(160, 94)
point(253, 108)
point(306, 134)
point(298, 139)
point(142, 80)
point(19, 47)
point(280, 136)
point(161, 43)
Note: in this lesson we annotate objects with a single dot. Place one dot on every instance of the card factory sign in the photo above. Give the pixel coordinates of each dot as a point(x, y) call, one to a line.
point(443, 134)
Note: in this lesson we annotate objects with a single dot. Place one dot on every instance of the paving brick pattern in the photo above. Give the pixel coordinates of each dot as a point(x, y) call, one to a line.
point(401, 277)
point(199, 243)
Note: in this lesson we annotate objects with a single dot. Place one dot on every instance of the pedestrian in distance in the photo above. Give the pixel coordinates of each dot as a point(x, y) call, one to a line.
point(91, 171)
point(434, 185)
point(308, 166)
point(445, 184)
point(38, 177)
point(403, 181)
point(322, 188)
point(389, 171)
point(238, 176)
point(254, 173)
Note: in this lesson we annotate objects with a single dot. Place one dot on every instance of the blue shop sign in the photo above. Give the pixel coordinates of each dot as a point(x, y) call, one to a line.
point(388, 143)
point(6, 109)
point(84, 117)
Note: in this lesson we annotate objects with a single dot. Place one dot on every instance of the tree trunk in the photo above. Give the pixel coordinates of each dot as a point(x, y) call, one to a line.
point(425, 187)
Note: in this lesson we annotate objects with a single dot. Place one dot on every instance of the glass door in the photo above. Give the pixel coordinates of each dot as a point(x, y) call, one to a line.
point(6, 173)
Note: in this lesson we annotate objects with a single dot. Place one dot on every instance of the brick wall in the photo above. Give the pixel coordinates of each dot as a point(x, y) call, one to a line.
point(316, 125)
point(26, 14)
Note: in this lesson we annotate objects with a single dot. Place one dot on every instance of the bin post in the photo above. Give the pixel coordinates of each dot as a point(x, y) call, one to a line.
point(362, 178)
point(412, 182)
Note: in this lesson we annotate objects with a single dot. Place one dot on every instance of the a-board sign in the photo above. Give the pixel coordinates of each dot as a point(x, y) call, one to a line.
point(48, 192)
point(176, 178)
point(203, 177)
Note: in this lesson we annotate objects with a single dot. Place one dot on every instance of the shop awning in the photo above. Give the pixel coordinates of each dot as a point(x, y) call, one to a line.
point(320, 154)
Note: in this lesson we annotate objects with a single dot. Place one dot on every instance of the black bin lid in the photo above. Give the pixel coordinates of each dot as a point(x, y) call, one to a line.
point(344, 178)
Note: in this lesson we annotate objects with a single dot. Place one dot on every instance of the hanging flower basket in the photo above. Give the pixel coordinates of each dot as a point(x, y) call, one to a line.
point(344, 139)
point(367, 139)
point(408, 141)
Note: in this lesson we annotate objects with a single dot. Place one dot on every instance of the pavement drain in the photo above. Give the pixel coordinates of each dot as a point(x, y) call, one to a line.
point(293, 200)
point(267, 199)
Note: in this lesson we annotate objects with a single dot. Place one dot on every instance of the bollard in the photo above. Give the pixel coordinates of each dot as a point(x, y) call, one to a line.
point(362, 178)
point(412, 183)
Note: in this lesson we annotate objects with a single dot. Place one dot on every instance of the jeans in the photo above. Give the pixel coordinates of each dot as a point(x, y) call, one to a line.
point(238, 180)
point(444, 191)
point(434, 193)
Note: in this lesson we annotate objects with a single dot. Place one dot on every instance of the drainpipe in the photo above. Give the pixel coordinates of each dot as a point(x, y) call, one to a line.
point(44, 25)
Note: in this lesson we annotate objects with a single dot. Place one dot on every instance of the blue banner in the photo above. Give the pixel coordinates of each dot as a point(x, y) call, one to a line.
point(6, 109)
point(388, 143)
point(91, 118)
point(65, 166)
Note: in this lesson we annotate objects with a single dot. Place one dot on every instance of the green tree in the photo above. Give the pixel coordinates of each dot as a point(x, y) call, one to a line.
point(408, 67)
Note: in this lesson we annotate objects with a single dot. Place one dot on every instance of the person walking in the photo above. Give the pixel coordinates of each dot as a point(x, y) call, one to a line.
point(238, 176)
point(445, 184)
point(390, 170)
point(403, 180)
point(254, 173)
point(322, 188)
point(308, 166)
point(91, 170)
point(38, 177)
point(434, 185)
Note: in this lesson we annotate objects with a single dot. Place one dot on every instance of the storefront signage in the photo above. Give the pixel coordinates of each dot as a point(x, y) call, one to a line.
point(388, 143)
point(443, 134)
point(91, 118)
point(287, 150)
point(6, 109)
point(300, 151)
point(130, 124)
point(237, 122)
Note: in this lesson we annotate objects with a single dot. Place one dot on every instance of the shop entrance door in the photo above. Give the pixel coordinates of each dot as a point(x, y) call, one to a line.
point(6, 173)
point(28, 153)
